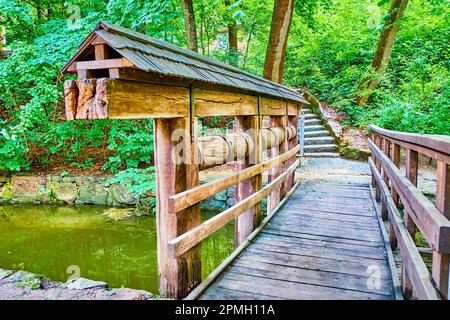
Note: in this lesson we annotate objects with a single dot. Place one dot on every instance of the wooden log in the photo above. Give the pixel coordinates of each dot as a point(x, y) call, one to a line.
point(104, 64)
point(187, 198)
point(86, 98)
point(71, 97)
point(248, 221)
point(412, 260)
point(440, 269)
point(177, 277)
point(193, 237)
point(431, 223)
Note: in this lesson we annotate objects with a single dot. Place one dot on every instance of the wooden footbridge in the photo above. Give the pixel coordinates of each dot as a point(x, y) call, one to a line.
point(315, 240)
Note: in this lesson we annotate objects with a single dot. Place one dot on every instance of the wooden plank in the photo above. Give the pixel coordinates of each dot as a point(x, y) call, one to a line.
point(272, 107)
point(177, 276)
point(312, 277)
point(387, 152)
point(291, 122)
point(292, 109)
point(187, 198)
point(416, 268)
point(220, 293)
point(184, 242)
point(104, 64)
point(332, 209)
point(101, 51)
point(311, 221)
point(215, 103)
point(434, 227)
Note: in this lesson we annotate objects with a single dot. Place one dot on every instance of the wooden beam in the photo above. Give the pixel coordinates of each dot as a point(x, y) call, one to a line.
point(272, 107)
point(184, 242)
point(215, 103)
point(275, 197)
point(292, 109)
point(176, 276)
point(101, 52)
point(104, 64)
point(192, 196)
point(292, 122)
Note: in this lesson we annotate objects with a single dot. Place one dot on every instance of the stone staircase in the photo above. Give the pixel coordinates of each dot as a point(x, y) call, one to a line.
point(318, 141)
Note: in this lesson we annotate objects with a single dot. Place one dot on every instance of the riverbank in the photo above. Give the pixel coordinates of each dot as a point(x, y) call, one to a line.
point(22, 285)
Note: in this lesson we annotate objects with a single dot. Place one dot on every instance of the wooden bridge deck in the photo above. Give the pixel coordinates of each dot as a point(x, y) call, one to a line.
point(324, 243)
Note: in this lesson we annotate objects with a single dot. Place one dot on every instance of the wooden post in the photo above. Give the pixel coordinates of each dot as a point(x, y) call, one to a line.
point(292, 120)
point(387, 152)
point(177, 277)
point(247, 222)
point(395, 196)
point(441, 262)
point(377, 141)
point(275, 196)
point(412, 166)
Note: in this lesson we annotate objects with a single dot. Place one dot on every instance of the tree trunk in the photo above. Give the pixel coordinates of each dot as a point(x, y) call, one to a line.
point(2, 39)
point(279, 31)
point(384, 50)
point(232, 39)
point(191, 30)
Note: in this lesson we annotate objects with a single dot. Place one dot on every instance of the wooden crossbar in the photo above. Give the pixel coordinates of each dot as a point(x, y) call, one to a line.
point(192, 196)
point(186, 241)
point(412, 260)
point(433, 225)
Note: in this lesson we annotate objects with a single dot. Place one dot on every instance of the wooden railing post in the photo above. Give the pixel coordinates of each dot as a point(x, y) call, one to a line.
point(176, 171)
point(441, 262)
point(395, 196)
point(377, 141)
point(275, 196)
point(387, 152)
point(247, 222)
point(292, 121)
point(412, 165)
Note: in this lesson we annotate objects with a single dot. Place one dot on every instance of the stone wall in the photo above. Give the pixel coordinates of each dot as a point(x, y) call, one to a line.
point(69, 190)
point(85, 190)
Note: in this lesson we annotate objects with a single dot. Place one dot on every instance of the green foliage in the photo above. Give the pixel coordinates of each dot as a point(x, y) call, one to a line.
point(138, 181)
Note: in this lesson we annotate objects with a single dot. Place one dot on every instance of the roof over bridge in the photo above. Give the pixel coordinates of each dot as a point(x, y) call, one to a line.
point(161, 58)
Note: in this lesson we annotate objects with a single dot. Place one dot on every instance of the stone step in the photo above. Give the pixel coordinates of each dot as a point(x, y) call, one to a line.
point(305, 111)
point(310, 122)
point(311, 116)
point(319, 140)
point(321, 155)
point(320, 148)
point(320, 133)
point(314, 128)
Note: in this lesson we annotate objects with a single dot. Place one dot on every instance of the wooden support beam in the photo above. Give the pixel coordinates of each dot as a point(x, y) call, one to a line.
point(387, 152)
point(101, 52)
point(248, 221)
point(377, 141)
point(275, 196)
point(272, 107)
point(395, 197)
point(215, 103)
point(441, 261)
point(103, 64)
point(177, 277)
point(292, 122)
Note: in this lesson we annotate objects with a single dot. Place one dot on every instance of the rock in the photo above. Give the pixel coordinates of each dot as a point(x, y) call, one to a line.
point(119, 214)
point(93, 194)
point(83, 284)
point(427, 175)
point(231, 192)
point(354, 153)
point(122, 195)
point(5, 192)
point(213, 204)
point(344, 142)
point(27, 189)
point(63, 190)
point(231, 202)
point(127, 294)
point(25, 280)
point(5, 273)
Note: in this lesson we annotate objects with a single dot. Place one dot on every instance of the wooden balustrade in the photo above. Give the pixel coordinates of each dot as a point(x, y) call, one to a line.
point(393, 188)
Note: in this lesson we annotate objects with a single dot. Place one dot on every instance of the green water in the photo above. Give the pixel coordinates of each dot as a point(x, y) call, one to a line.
point(58, 241)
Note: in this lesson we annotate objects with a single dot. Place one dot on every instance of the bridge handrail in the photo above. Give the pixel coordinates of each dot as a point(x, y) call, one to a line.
point(432, 221)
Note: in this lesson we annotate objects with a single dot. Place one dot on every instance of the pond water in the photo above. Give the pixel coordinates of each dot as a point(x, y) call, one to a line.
point(57, 242)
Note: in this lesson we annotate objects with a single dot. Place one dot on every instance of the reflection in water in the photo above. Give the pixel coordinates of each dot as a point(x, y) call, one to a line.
point(59, 242)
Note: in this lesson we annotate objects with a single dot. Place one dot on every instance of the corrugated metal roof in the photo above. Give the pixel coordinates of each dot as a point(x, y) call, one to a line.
point(153, 55)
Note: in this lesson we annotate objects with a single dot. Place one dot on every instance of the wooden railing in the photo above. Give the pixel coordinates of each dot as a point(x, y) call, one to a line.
point(432, 221)
point(179, 227)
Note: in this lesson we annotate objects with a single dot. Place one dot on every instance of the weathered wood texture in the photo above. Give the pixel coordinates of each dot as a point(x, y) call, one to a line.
point(177, 276)
point(313, 250)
